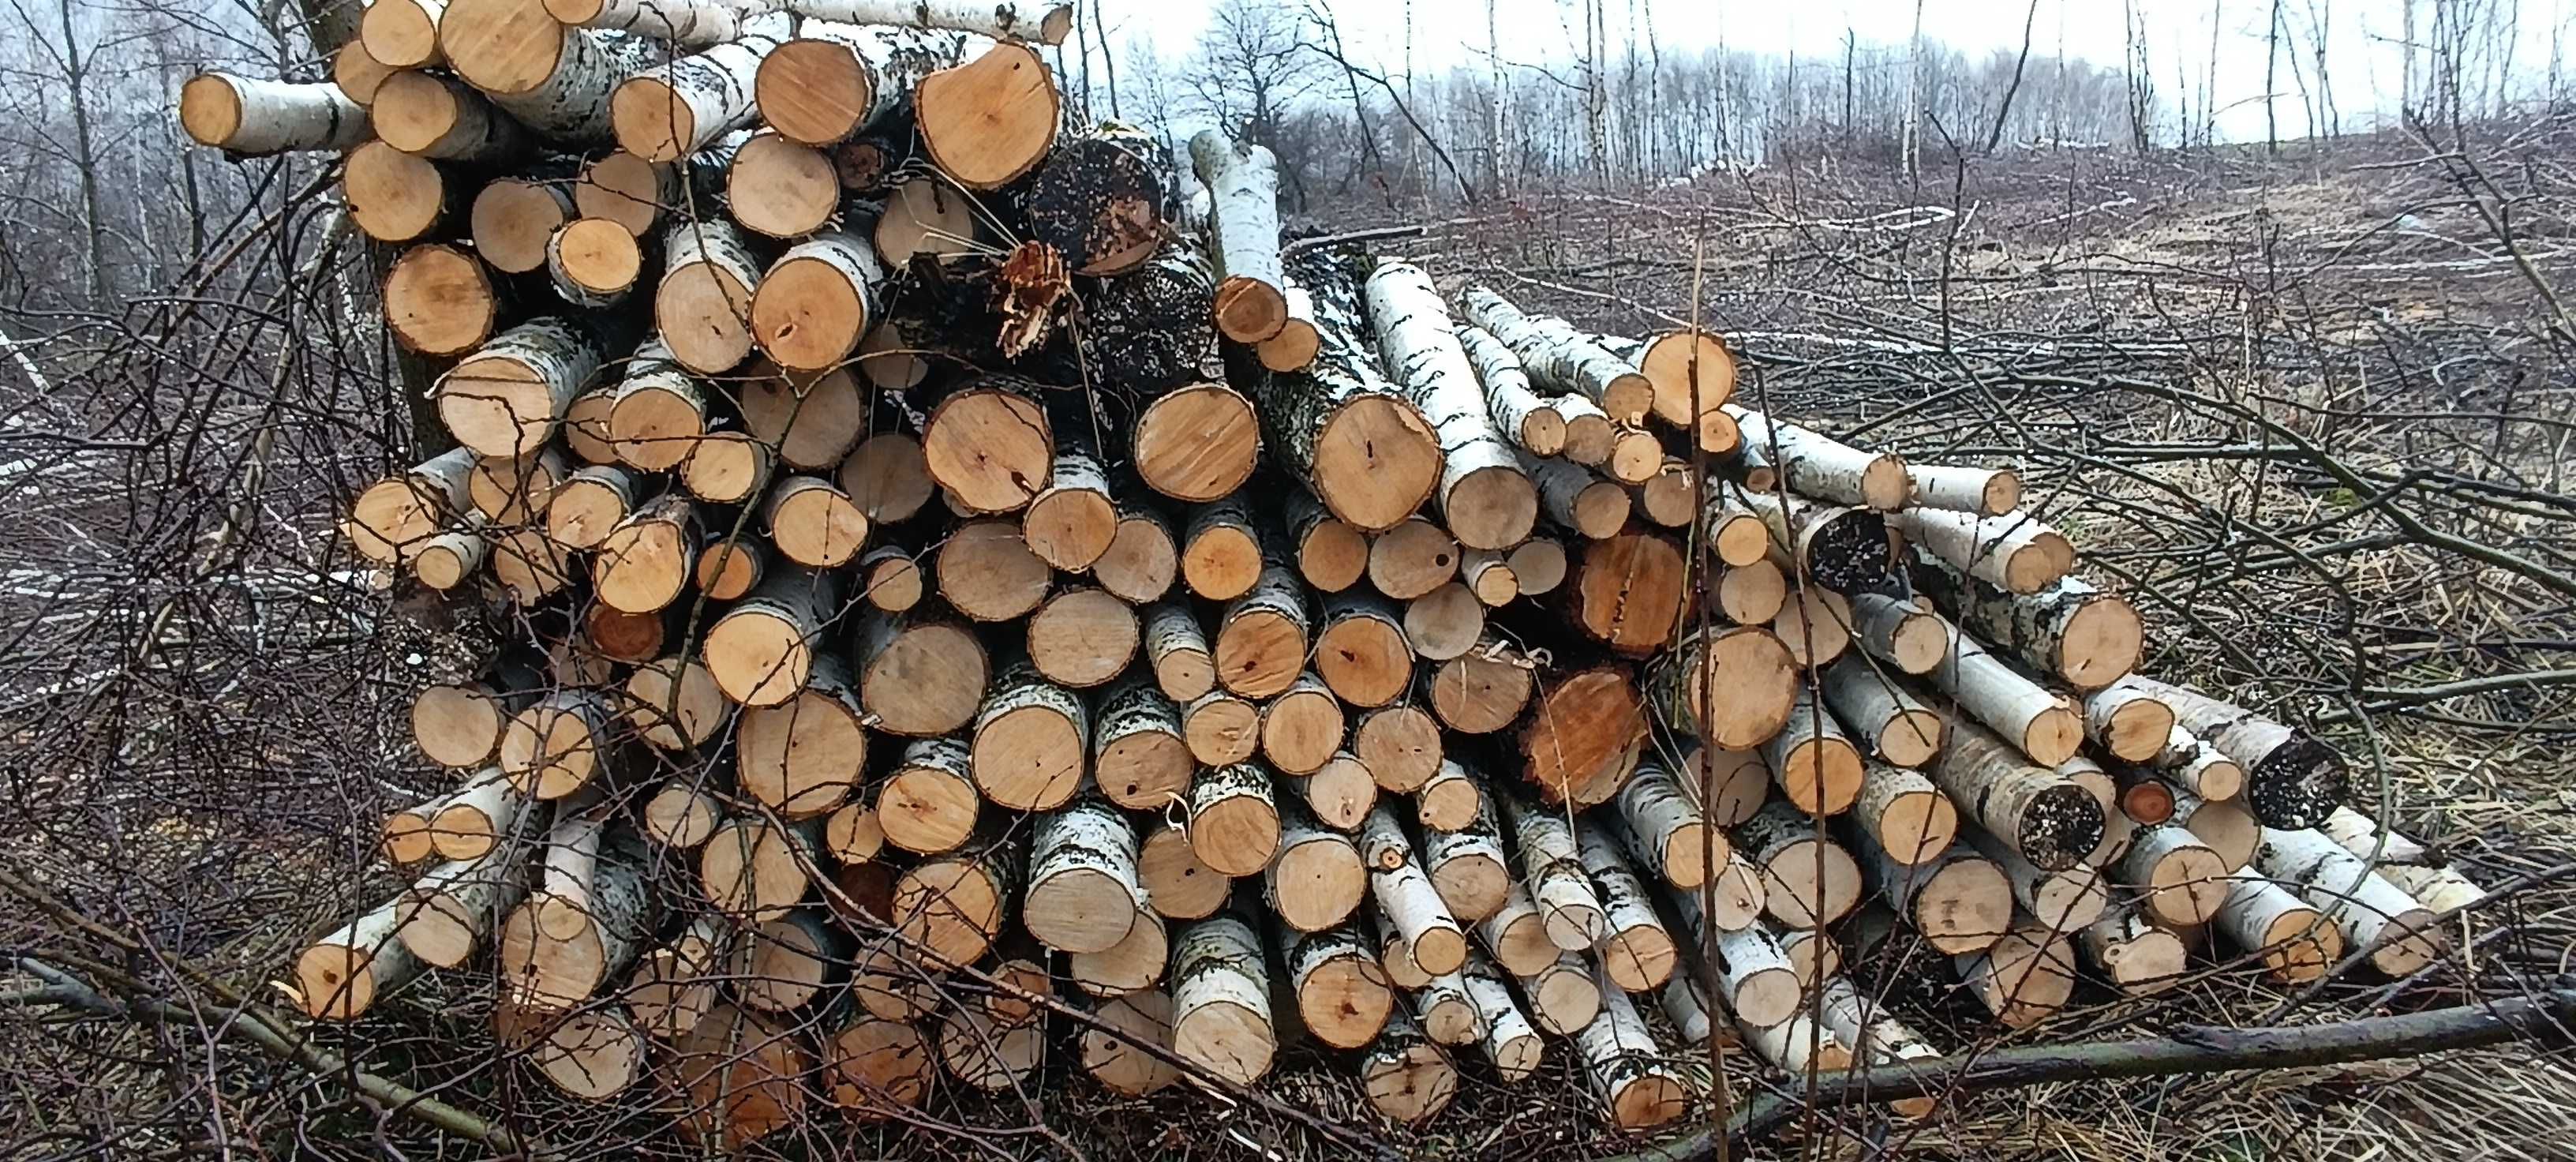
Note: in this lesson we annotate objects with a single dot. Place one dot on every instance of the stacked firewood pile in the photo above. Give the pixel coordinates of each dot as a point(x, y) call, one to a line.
point(983, 598)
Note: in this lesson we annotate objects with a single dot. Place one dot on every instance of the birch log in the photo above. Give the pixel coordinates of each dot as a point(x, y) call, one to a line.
point(1083, 894)
point(1405, 1077)
point(1221, 1000)
point(1243, 180)
point(1637, 952)
point(1343, 996)
point(1484, 495)
point(247, 117)
point(1433, 937)
point(1562, 359)
point(1003, 20)
point(1316, 879)
point(1626, 1067)
point(1551, 864)
point(2291, 779)
point(2128, 720)
point(339, 976)
point(2050, 821)
point(2374, 915)
point(988, 122)
point(2296, 943)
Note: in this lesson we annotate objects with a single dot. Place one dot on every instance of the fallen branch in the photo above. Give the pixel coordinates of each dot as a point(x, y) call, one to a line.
point(2187, 1050)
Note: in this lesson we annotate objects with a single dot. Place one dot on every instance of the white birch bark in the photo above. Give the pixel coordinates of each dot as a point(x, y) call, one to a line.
point(689, 23)
point(1687, 1009)
point(1406, 893)
point(1874, 1034)
point(1307, 907)
point(1638, 949)
point(1552, 866)
point(2013, 552)
point(1825, 468)
point(571, 106)
point(1975, 491)
point(247, 117)
point(2050, 821)
point(1523, 416)
point(1421, 351)
point(713, 87)
point(1177, 648)
point(1243, 222)
point(450, 912)
point(517, 415)
point(1575, 499)
point(1797, 1045)
point(999, 19)
point(1626, 1067)
point(705, 345)
point(1900, 633)
point(1755, 977)
point(1090, 840)
point(1470, 854)
point(2298, 943)
point(2065, 900)
point(2373, 913)
point(2036, 627)
point(339, 976)
point(2198, 767)
point(1557, 357)
point(2402, 860)
point(2128, 721)
point(2035, 720)
point(1218, 965)
point(1447, 1013)
point(1667, 828)
point(1509, 1041)
point(1901, 730)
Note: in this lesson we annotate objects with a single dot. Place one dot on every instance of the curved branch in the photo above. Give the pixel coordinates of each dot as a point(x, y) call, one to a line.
point(2190, 1049)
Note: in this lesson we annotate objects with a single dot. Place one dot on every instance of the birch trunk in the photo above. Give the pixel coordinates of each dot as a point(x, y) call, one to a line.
point(1627, 1068)
point(1559, 358)
point(1552, 867)
point(2374, 914)
point(2014, 553)
point(2050, 821)
point(2292, 780)
point(248, 118)
point(1243, 229)
point(1485, 497)
point(1431, 934)
point(1637, 953)
point(2297, 943)
point(1825, 468)
point(1529, 420)
point(1003, 20)
point(1221, 1000)
point(1083, 893)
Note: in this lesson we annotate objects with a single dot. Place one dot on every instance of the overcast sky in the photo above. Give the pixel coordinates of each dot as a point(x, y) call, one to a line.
point(2363, 35)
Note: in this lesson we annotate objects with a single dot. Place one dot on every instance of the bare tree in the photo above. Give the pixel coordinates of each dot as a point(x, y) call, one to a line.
point(1251, 68)
point(2003, 108)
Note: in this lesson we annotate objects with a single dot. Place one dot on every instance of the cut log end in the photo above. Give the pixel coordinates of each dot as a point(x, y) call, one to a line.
point(1375, 462)
point(990, 120)
point(1199, 443)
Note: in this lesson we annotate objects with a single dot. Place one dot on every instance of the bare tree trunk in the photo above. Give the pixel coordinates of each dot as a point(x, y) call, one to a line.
point(2271, 69)
point(2003, 112)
